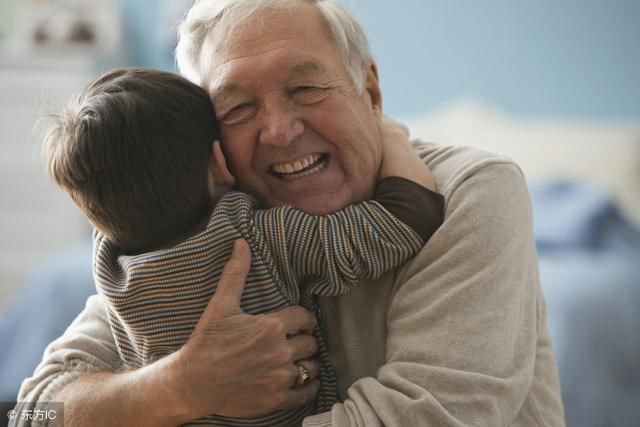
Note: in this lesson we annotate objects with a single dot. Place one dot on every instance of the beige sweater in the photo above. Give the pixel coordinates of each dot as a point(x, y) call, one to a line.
point(455, 337)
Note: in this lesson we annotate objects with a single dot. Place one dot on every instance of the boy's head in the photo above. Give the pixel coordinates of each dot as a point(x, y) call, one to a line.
point(134, 151)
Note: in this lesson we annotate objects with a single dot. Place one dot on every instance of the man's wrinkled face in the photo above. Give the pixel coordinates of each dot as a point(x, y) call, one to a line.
point(294, 129)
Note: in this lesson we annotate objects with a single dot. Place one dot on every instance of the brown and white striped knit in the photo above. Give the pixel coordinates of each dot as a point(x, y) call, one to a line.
point(154, 300)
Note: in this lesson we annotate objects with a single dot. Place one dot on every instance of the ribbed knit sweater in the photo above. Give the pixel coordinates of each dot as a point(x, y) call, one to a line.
point(155, 299)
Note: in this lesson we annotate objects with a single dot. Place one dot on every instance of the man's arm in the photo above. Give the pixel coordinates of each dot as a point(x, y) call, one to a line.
point(233, 364)
point(464, 321)
point(86, 346)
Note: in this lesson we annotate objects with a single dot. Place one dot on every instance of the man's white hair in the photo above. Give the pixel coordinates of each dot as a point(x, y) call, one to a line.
point(206, 15)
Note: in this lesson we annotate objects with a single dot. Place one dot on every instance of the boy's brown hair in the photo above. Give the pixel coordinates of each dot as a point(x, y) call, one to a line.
point(132, 150)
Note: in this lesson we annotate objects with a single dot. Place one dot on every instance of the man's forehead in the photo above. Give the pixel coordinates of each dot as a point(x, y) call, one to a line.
point(301, 25)
point(222, 86)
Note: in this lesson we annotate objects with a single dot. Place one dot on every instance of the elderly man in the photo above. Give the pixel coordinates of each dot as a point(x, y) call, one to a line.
point(455, 337)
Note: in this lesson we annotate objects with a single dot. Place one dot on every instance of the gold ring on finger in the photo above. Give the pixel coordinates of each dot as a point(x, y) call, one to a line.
point(303, 374)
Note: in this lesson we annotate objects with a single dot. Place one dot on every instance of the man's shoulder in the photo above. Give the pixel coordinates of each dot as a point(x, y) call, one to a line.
point(453, 165)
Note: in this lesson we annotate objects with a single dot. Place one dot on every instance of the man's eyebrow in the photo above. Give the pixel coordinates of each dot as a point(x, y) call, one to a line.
point(224, 91)
point(307, 68)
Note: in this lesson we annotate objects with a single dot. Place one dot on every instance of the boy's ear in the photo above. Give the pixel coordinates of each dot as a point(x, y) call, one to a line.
point(218, 172)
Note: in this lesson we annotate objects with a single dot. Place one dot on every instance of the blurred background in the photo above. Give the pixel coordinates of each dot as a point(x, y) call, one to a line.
point(553, 84)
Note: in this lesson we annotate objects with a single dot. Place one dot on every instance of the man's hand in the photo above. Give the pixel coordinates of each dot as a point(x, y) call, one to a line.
point(240, 365)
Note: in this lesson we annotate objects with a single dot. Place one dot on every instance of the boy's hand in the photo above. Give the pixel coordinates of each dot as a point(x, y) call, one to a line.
point(399, 158)
point(393, 130)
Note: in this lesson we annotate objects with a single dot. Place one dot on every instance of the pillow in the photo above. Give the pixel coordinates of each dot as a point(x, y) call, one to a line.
point(606, 154)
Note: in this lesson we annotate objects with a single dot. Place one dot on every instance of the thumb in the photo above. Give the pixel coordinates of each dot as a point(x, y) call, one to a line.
point(226, 299)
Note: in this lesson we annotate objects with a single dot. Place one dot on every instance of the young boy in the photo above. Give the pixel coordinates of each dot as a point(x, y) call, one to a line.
point(136, 153)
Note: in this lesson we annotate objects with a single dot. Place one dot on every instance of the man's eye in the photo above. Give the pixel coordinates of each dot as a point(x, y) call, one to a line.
point(308, 94)
point(239, 114)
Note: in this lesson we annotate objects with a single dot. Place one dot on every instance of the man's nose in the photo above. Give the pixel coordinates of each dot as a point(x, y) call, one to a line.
point(280, 125)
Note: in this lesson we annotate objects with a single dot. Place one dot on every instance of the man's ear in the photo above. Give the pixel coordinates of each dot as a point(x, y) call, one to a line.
point(218, 172)
point(372, 86)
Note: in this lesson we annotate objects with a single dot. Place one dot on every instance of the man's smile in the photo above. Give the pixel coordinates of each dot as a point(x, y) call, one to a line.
point(299, 168)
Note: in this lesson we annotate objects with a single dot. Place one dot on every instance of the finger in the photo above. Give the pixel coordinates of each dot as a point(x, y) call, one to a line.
point(226, 299)
point(296, 319)
point(298, 396)
point(312, 366)
point(302, 346)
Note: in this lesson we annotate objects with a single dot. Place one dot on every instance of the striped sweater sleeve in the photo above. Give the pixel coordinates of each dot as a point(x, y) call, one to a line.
point(335, 251)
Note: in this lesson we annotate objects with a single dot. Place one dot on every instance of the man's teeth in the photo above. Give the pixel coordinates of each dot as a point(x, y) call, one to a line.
point(297, 166)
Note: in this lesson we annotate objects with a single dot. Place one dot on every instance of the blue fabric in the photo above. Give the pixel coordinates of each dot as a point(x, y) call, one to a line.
point(52, 296)
point(593, 302)
point(588, 256)
point(575, 216)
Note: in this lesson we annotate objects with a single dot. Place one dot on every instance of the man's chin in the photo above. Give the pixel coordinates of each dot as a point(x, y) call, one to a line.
point(323, 204)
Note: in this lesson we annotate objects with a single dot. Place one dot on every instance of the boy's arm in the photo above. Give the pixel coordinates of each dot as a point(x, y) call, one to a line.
point(398, 157)
point(362, 240)
point(414, 205)
point(406, 187)
point(336, 250)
